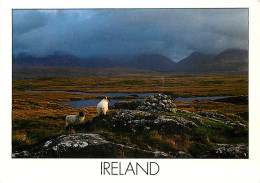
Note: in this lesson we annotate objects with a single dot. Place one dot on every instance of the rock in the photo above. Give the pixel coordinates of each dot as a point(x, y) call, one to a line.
point(164, 96)
point(137, 121)
point(158, 102)
point(162, 105)
point(173, 110)
point(182, 154)
point(153, 104)
point(152, 99)
point(174, 125)
point(212, 115)
point(84, 145)
point(230, 151)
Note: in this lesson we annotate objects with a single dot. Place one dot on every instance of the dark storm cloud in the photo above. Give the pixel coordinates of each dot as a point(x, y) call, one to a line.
point(171, 32)
point(24, 21)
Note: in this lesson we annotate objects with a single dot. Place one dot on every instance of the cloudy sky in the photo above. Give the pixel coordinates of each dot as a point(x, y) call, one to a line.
point(174, 33)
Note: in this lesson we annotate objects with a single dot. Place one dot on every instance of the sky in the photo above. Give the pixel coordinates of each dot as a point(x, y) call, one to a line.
point(113, 33)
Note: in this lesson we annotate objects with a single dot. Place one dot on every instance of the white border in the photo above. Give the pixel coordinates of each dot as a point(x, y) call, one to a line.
point(86, 170)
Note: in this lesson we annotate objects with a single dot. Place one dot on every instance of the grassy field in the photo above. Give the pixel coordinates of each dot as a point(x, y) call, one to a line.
point(38, 116)
point(179, 86)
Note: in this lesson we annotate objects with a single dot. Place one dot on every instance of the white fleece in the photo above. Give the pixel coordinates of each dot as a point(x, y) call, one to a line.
point(102, 107)
point(74, 119)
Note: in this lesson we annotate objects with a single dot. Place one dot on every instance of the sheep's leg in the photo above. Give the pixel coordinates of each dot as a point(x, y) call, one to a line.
point(103, 111)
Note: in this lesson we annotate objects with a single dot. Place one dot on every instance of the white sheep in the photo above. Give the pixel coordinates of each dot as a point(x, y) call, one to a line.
point(72, 119)
point(102, 106)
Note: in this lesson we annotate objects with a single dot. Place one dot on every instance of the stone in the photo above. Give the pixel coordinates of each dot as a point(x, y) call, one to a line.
point(84, 145)
point(230, 151)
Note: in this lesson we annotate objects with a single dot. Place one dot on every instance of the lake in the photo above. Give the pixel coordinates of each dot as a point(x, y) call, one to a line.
point(105, 94)
point(181, 99)
point(94, 102)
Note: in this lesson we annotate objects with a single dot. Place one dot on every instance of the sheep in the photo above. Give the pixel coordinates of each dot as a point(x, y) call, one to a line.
point(102, 106)
point(72, 119)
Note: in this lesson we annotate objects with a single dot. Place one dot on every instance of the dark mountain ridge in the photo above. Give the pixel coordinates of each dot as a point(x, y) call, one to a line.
point(153, 62)
point(194, 62)
point(233, 60)
point(236, 55)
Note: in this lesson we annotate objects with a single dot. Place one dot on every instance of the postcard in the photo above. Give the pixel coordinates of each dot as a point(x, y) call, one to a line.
point(141, 92)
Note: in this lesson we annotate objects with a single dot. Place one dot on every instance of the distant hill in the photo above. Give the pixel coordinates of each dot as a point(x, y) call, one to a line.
point(153, 62)
point(231, 60)
point(70, 72)
point(194, 62)
point(59, 60)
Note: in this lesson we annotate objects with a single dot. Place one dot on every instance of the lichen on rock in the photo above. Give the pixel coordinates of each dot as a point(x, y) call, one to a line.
point(84, 145)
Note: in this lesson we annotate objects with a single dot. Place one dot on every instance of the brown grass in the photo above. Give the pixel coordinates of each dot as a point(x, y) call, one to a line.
point(180, 86)
point(38, 116)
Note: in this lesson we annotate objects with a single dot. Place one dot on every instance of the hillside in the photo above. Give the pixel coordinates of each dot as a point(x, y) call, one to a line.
point(153, 62)
point(231, 61)
point(195, 62)
point(70, 72)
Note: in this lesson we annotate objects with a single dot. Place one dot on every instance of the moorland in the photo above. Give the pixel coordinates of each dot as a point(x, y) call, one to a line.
point(39, 116)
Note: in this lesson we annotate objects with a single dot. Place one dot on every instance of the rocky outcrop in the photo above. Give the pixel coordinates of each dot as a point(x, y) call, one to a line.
point(230, 151)
point(136, 121)
point(84, 145)
point(158, 102)
point(213, 115)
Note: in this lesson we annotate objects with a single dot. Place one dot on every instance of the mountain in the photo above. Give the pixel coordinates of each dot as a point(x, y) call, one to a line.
point(24, 61)
point(70, 72)
point(194, 62)
point(228, 61)
point(233, 55)
point(55, 60)
point(153, 62)
point(96, 63)
point(231, 60)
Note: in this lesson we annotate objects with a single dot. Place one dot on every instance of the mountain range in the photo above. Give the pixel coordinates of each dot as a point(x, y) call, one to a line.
point(231, 60)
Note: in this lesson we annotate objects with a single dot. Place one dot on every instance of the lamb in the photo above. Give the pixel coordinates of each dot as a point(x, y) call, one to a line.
point(72, 119)
point(102, 106)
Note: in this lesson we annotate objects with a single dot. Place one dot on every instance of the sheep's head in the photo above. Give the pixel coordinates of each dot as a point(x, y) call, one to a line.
point(107, 99)
point(81, 113)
